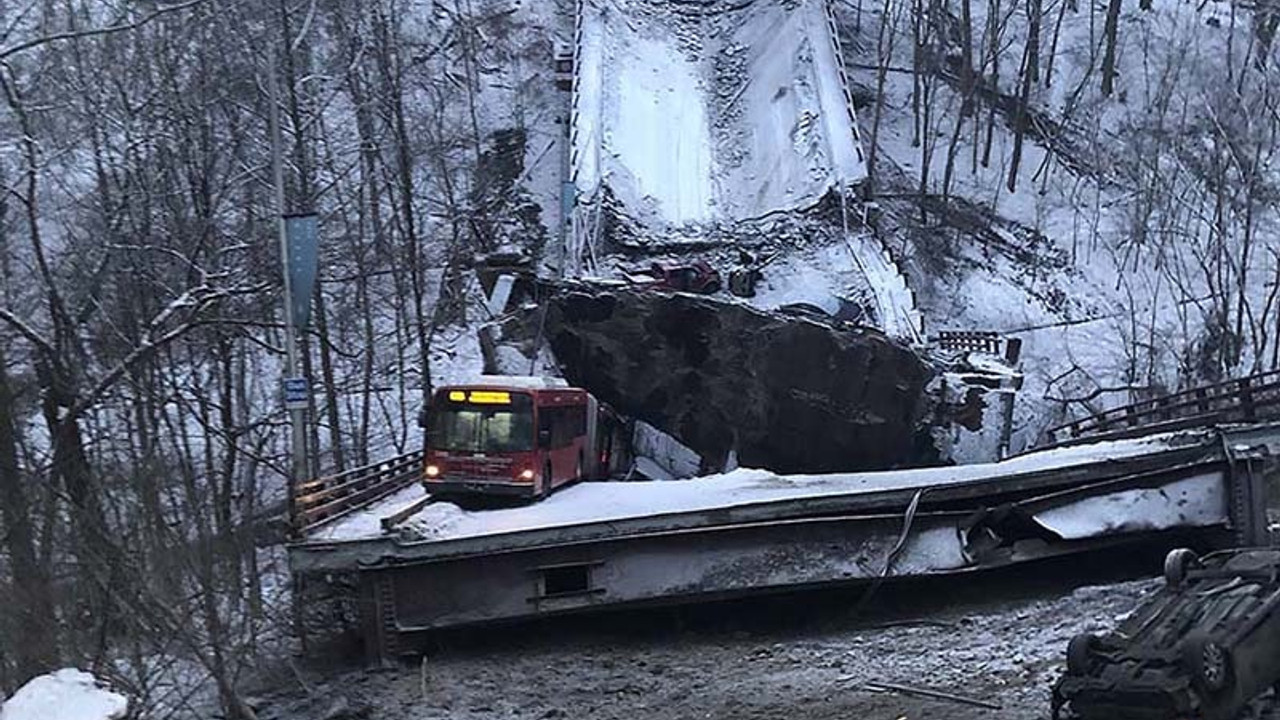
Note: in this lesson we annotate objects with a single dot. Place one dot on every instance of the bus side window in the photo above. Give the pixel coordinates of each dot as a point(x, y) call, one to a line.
point(561, 431)
point(546, 425)
point(564, 424)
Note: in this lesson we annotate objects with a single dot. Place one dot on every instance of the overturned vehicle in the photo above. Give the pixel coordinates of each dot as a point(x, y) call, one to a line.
point(1201, 647)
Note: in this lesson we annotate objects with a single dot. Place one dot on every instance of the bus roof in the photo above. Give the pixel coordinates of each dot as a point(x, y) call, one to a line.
point(522, 382)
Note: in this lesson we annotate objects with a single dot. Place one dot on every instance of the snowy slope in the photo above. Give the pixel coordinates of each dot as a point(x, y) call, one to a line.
point(1087, 260)
point(728, 115)
point(694, 119)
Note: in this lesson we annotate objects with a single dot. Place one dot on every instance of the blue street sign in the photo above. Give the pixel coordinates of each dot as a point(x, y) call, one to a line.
point(296, 393)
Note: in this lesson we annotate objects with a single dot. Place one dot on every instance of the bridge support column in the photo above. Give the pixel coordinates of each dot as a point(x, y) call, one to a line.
point(1247, 468)
point(378, 618)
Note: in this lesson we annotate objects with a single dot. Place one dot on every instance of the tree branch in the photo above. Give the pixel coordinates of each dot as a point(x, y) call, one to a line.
point(26, 331)
point(197, 299)
point(97, 31)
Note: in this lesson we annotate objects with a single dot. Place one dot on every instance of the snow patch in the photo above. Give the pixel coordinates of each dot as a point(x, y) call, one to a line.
point(660, 456)
point(368, 522)
point(1196, 502)
point(67, 694)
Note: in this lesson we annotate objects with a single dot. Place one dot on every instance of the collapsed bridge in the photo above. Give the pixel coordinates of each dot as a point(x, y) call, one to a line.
point(691, 121)
point(418, 565)
point(415, 564)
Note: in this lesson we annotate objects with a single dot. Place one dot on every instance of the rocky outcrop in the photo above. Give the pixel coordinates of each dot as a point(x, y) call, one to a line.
point(787, 394)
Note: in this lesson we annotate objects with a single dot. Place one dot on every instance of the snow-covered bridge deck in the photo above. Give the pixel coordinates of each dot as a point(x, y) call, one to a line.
point(607, 502)
point(608, 544)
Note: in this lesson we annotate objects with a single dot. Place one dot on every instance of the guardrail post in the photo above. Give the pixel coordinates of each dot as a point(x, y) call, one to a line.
point(1160, 408)
point(1012, 350)
point(1246, 398)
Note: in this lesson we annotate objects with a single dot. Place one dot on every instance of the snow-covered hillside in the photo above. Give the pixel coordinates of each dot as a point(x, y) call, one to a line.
point(1118, 238)
point(727, 113)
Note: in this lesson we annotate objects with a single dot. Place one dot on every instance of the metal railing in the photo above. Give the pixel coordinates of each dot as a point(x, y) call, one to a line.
point(970, 341)
point(1246, 399)
point(983, 341)
point(323, 500)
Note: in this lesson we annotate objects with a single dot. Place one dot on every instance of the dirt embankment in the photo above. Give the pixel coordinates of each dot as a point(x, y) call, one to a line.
point(1002, 651)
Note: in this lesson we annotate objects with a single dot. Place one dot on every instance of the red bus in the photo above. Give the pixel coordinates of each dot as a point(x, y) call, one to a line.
point(517, 436)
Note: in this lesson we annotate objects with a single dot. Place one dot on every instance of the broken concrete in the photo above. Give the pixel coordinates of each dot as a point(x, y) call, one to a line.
point(790, 395)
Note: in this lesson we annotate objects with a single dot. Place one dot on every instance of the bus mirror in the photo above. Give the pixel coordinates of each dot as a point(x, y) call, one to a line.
point(544, 439)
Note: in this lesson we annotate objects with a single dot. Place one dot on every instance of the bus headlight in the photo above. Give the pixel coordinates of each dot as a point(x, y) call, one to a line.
point(433, 471)
point(526, 474)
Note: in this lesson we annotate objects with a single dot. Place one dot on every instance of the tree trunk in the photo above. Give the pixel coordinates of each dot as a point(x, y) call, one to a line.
point(1020, 120)
point(884, 53)
point(993, 54)
point(1109, 53)
point(35, 645)
point(1034, 13)
point(330, 385)
point(966, 60)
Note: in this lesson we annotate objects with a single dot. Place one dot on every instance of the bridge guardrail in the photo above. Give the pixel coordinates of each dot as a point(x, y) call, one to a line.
point(326, 499)
point(970, 340)
point(1245, 399)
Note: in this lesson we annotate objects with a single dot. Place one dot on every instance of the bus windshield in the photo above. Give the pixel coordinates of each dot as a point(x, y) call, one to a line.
point(487, 429)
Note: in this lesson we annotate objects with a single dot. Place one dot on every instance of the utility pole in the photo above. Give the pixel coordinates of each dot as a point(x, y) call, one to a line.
point(297, 418)
point(298, 266)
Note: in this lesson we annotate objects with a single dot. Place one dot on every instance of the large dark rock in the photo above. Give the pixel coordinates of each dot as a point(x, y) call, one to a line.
point(790, 395)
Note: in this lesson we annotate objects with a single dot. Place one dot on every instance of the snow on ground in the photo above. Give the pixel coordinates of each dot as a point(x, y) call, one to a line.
point(801, 657)
point(368, 521)
point(456, 357)
point(612, 501)
point(1198, 501)
point(818, 276)
point(1094, 296)
point(731, 115)
point(67, 694)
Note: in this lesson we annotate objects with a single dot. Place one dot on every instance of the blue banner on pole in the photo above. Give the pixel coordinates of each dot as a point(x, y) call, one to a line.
point(302, 233)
